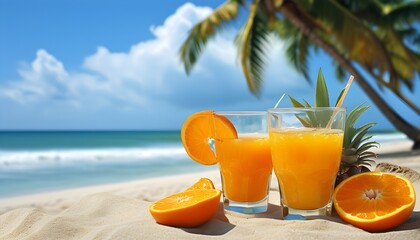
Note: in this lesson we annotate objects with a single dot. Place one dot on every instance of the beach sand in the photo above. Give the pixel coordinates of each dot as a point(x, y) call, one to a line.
point(120, 211)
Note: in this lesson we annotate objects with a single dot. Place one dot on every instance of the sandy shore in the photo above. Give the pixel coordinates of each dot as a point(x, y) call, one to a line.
point(121, 211)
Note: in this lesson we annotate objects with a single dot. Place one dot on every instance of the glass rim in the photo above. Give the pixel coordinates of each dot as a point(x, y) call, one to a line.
point(304, 109)
point(255, 113)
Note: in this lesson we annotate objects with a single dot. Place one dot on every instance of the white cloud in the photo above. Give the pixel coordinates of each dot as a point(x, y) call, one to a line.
point(150, 72)
point(45, 77)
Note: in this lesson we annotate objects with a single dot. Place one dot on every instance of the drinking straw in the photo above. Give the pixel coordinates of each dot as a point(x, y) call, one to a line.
point(340, 101)
point(278, 102)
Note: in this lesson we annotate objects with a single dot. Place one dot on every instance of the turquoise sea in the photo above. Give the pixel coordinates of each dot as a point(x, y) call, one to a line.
point(39, 161)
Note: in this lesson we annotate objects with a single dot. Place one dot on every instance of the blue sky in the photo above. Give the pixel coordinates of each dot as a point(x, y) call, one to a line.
point(74, 64)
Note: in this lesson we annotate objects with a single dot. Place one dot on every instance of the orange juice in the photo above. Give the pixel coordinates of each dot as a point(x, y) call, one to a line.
point(245, 166)
point(306, 162)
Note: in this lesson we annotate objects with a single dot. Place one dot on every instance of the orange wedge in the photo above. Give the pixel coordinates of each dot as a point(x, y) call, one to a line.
point(203, 183)
point(186, 209)
point(375, 201)
point(197, 132)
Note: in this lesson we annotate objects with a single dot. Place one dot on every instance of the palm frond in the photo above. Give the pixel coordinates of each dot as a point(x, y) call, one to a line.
point(339, 73)
point(403, 12)
point(410, 34)
point(197, 39)
point(252, 42)
point(353, 36)
point(297, 52)
point(406, 60)
point(297, 45)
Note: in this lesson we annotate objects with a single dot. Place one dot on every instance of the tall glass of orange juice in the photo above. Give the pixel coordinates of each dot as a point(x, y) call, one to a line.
point(244, 162)
point(306, 146)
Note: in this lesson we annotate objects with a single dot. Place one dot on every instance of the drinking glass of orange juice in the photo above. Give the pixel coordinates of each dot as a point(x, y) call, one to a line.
point(306, 145)
point(244, 161)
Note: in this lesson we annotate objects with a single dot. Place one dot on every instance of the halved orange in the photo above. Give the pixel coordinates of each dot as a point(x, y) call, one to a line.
point(375, 201)
point(203, 183)
point(186, 209)
point(197, 132)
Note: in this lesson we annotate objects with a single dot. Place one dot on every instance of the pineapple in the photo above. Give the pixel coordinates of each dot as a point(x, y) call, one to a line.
point(356, 155)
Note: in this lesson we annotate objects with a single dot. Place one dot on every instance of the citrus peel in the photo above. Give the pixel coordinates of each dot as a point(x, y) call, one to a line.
point(198, 131)
point(375, 201)
point(190, 208)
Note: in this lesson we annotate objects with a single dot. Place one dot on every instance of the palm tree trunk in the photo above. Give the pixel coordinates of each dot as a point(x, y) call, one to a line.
point(407, 101)
point(292, 13)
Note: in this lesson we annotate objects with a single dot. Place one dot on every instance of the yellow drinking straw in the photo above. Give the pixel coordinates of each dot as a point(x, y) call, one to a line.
point(340, 101)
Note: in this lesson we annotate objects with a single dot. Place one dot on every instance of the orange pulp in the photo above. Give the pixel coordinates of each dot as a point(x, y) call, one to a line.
point(375, 201)
point(245, 165)
point(306, 162)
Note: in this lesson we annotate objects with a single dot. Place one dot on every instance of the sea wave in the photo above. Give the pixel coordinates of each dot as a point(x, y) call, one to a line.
point(47, 157)
point(148, 155)
point(389, 137)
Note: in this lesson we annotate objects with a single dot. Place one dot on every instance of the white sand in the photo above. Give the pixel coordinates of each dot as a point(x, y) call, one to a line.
point(120, 211)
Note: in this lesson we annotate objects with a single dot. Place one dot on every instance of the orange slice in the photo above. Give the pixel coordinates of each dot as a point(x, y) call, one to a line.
point(203, 183)
point(375, 201)
point(197, 132)
point(186, 209)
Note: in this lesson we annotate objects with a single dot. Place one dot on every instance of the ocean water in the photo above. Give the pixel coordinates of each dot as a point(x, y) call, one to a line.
point(33, 162)
point(40, 161)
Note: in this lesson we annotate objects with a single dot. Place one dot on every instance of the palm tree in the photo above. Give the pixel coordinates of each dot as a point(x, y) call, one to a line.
point(379, 37)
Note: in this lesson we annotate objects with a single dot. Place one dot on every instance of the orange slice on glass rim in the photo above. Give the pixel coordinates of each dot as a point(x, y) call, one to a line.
point(198, 131)
point(375, 201)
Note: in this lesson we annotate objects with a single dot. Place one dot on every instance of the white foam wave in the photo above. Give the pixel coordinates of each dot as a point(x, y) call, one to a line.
point(383, 138)
point(14, 158)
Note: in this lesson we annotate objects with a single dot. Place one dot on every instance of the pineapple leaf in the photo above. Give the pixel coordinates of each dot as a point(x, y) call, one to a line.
point(339, 96)
point(366, 146)
point(360, 162)
point(359, 139)
point(321, 93)
point(350, 131)
point(355, 135)
point(365, 139)
point(311, 116)
point(366, 126)
point(354, 115)
point(366, 164)
point(367, 155)
point(307, 104)
point(349, 134)
point(295, 102)
point(349, 160)
point(355, 144)
point(305, 121)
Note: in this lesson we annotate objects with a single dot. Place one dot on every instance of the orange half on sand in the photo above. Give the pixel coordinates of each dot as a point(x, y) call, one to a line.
point(203, 183)
point(375, 201)
point(197, 132)
point(189, 208)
